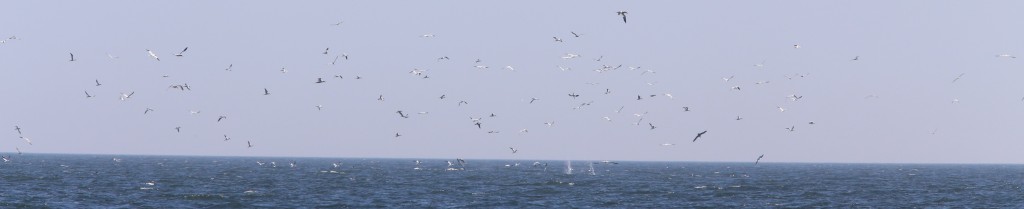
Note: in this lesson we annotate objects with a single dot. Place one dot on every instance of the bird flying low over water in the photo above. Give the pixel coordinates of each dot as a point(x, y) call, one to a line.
point(26, 139)
point(699, 135)
point(758, 159)
point(514, 150)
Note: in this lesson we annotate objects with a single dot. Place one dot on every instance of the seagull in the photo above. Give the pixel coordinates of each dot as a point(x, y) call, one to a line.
point(221, 118)
point(510, 68)
point(226, 138)
point(18, 149)
point(427, 35)
point(250, 143)
point(87, 95)
point(180, 54)
point(380, 97)
point(796, 46)
point(153, 55)
point(729, 78)
point(623, 14)
point(26, 139)
point(320, 80)
point(397, 135)
point(98, 82)
point(111, 56)
point(564, 68)
point(126, 96)
point(319, 107)
point(758, 159)
point(686, 109)
point(699, 135)
point(638, 97)
point(737, 88)
point(178, 129)
point(607, 118)
point(533, 99)
point(402, 114)
point(338, 24)
point(574, 95)
point(229, 67)
point(652, 126)
point(548, 123)
point(739, 118)
point(781, 109)
point(1005, 56)
point(462, 102)
point(147, 110)
point(72, 57)
point(855, 58)
point(958, 77)
point(570, 56)
point(668, 144)
point(194, 112)
point(514, 150)
point(477, 125)
point(266, 92)
point(7, 158)
point(811, 123)
point(794, 97)
point(574, 34)
point(609, 91)
point(283, 70)
point(760, 65)
point(17, 128)
point(791, 128)
point(669, 96)
point(443, 96)
point(557, 39)
point(325, 50)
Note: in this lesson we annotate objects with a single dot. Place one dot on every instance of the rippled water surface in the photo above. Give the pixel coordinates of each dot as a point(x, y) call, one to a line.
point(98, 181)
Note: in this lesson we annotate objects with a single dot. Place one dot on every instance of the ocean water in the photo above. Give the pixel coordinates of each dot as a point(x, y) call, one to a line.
point(98, 181)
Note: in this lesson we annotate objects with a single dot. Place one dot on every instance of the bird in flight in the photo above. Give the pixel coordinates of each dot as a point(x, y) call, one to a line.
point(791, 128)
point(574, 34)
point(574, 95)
point(153, 55)
point(17, 128)
point(87, 95)
point(265, 91)
point(699, 135)
point(758, 159)
point(557, 39)
point(178, 129)
point(126, 96)
point(72, 57)
point(26, 139)
point(226, 138)
point(855, 58)
point(514, 150)
point(147, 110)
point(320, 80)
point(533, 99)
point(250, 143)
point(319, 107)
point(623, 14)
point(221, 118)
point(180, 54)
point(325, 50)
point(98, 82)
point(958, 77)
point(652, 126)
point(402, 114)
point(397, 135)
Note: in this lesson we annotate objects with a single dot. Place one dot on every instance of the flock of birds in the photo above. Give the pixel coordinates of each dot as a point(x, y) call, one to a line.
point(477, 122)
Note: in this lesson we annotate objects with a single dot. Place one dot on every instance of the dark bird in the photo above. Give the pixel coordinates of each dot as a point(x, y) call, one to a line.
point(180, 54)
point(87, 95)
point(557, 39)
point(72, 57)
point(98, 82)
point(17, 128)
point(574, 34)
point(462, 102)
point(221, 118)
point(402, 114)
point(638, 97)
point(514, 150)
point(652, 126)
point(623, 14)
point(327, 49)
point(758, 159)
point(178, 129)
point(250, 143)
point(226, 138)
point(574, 95)
point(265, 91)
point(791, 128)
point(229, 67)
point(147, 110)
point(380, 97)
point(855, 58)
point(320, 80)
point(686, 109)
point(533, 99)
point(397, 135)
point(478, 125)
point(699, 135)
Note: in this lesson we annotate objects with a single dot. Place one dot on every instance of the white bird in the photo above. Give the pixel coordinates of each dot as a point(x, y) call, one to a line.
point(153, 55)
point(180, 54)
point(607, 118)
point(564, 68)
point(510, 68)
point(1005, 56)
point(429, 35)
point(126, 96)
point(781, 109)
point(794, 97)
point(570, 56)
point(727, 78)
point(549, 123)
point(557, 39)
point(26, 139)
point(668, 144)
point(669, 96)
point(796, 46)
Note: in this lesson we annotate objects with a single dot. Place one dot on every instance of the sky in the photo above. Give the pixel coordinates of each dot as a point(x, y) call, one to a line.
point(883, 82)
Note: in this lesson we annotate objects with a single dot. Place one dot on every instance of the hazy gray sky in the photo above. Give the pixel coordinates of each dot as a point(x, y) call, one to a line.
point(883, 107)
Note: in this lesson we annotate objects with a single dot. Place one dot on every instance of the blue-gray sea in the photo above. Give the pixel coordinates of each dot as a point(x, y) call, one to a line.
point(108, 181)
